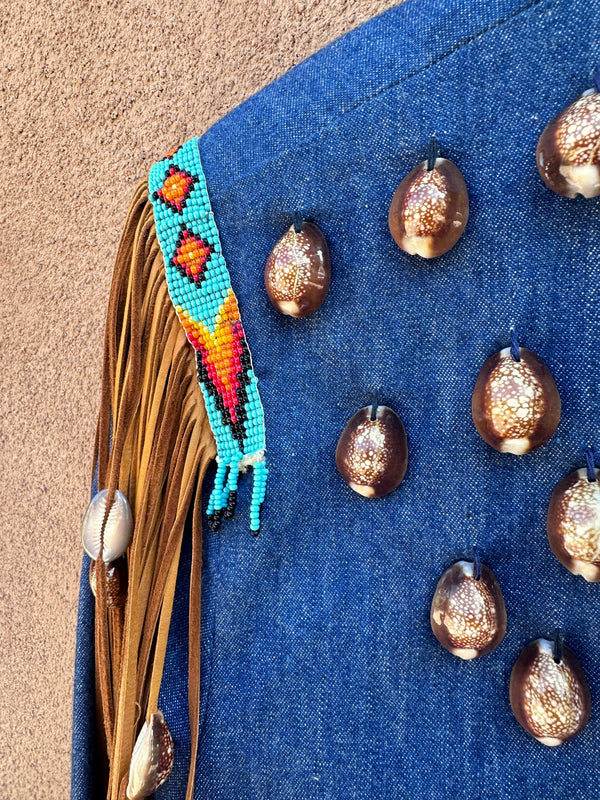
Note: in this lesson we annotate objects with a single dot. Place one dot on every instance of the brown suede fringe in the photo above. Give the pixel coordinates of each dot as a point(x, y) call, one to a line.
point(153, 443)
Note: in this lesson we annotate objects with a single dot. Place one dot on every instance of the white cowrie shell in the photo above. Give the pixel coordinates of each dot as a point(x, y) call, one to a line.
point(118, 530)
point(152, 758)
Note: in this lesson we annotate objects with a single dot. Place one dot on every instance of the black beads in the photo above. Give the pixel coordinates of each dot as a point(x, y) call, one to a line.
point(573, 523)
point(468, 615)
point(549, 694)
point(372, 453)
point(298, 271)
point(568, 151)
point(515, 404)
point(430, 208)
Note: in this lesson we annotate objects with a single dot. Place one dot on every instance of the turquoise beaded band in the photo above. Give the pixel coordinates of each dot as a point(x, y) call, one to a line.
point(200, 290)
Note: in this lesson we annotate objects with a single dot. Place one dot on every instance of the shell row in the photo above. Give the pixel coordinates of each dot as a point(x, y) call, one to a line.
point(515, 406)
point(549, 694)
point(430, 208)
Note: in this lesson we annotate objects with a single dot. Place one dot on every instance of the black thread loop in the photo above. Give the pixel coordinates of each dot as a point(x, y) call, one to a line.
point(298, 220)
point(433, 153)
point(590, 465)
point(558, 646)
point(476, 563)
point(515, 350)
point(374, 407)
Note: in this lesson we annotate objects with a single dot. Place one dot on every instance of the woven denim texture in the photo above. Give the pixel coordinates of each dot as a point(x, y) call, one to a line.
point(320, 675)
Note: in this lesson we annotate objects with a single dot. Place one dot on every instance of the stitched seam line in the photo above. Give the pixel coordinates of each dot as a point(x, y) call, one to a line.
point(434, 62)
point(408, 76)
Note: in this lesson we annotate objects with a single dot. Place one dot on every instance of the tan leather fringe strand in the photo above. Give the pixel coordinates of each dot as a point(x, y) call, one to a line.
point(153, 443)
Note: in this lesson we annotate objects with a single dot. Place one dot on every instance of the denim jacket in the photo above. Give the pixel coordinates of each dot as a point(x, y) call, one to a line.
point(321, 677)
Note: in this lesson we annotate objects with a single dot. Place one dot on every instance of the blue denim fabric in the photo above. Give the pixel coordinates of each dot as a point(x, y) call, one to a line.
point(320, 675)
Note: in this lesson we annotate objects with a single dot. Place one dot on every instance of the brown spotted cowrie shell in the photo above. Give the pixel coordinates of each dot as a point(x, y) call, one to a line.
point(568, 151)
point(468, 615)
point(152, 758)
point(573, 524)
point(116, 581)
point(298, 271)
point(372, 453)
point(429, 210)
point(515, 404)
point(550, 699)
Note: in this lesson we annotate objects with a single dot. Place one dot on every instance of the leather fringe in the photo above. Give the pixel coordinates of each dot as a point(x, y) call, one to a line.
point(153, 443)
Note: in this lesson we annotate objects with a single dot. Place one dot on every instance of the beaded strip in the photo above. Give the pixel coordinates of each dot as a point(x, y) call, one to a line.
point(200, 289)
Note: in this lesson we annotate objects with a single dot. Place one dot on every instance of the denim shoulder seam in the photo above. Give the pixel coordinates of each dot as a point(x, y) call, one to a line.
point(438, 59)
point(382, 90)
